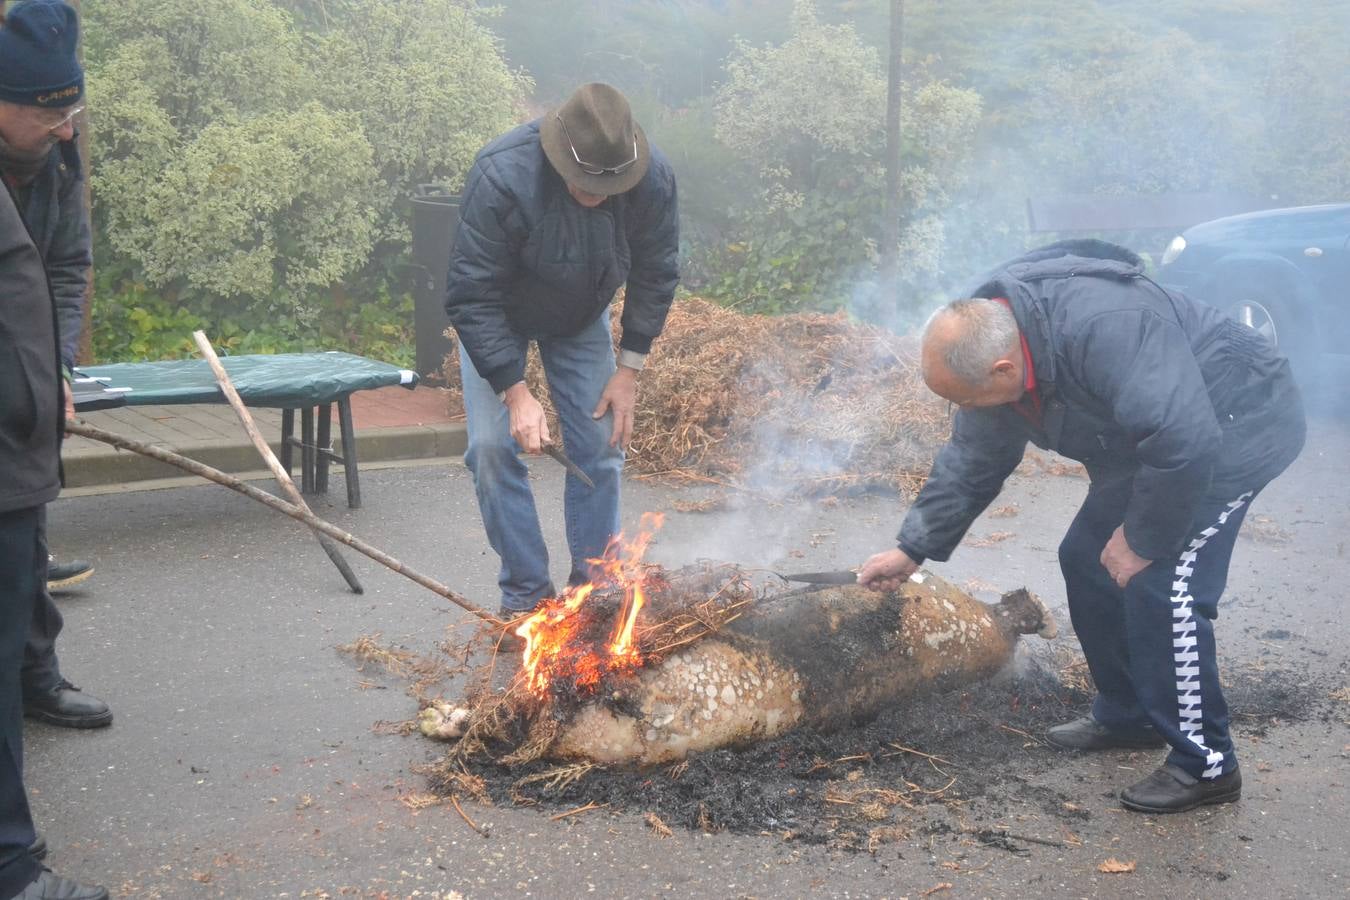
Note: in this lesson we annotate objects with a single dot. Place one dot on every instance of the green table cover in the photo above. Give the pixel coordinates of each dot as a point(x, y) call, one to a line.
point(283, 380)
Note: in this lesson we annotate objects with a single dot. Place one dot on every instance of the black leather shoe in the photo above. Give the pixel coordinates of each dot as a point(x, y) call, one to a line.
point(69, 707)
point(38, 849)
point(1089, 734)
point(61, 575)
point(1172, 790)
point(50, 886)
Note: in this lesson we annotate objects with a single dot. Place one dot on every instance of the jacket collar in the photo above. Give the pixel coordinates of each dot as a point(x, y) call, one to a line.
point(1013, 279)
point(1031, 321)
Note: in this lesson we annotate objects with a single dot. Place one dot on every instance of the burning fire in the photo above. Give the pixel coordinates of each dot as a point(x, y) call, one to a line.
point(554, 648)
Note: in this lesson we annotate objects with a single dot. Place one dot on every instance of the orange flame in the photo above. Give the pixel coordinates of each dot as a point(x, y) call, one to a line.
point(553, 648)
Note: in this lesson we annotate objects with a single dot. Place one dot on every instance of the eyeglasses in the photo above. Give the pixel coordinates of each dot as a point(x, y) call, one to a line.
point(592, 168)
point(68, 116)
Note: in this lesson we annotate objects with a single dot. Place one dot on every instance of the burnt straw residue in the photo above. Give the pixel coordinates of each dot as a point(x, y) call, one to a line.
point(963, 761)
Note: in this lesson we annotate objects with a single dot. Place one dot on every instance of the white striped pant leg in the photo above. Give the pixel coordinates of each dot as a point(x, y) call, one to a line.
point(1170, 608)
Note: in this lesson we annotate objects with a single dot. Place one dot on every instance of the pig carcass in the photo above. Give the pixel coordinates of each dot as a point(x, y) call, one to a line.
point(819, 658)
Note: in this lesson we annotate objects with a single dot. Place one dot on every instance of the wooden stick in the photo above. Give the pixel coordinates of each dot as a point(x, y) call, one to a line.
point(1024, 734)
point(84, 429)
point(465, 817)
point(928, 756)
point(578, 811)
point(260, 444)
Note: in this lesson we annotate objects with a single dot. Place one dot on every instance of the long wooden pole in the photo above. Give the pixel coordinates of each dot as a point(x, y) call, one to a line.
point(84, 429)
point(260, 443)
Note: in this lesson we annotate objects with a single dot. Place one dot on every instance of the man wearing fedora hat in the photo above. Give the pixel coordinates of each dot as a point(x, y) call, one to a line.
point(41, 92)
point(556, 215)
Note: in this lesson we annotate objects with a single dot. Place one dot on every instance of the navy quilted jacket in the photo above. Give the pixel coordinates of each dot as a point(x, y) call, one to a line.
point(1136, 382)
point(529, 261)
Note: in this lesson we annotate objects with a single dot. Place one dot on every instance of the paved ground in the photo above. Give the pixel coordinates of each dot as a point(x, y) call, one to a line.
point(242, 762)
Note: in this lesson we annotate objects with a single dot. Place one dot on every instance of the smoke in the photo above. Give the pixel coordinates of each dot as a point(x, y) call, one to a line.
point(818, 444)
point(768, 518)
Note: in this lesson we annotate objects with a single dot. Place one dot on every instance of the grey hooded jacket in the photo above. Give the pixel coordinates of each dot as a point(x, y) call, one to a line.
point(1136, 382)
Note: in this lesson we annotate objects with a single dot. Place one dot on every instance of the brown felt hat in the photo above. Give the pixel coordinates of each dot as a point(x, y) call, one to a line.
point(593, 142)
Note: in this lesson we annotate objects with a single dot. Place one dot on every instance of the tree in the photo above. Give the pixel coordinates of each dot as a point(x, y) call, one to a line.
point(277, 206)
point(431, 89)
point(1303, 150)
point(1142, 116)
point(808, 115)
point(249, 160)
point(214, 171)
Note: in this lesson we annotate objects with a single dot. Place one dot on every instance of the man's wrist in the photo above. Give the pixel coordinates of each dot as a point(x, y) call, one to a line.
point(501, 395)
point(631, 359)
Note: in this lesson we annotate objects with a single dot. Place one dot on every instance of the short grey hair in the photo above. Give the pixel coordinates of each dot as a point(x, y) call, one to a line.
point(988, 330)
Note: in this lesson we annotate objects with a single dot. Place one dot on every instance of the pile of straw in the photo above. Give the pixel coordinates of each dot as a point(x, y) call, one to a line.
point(805, 404)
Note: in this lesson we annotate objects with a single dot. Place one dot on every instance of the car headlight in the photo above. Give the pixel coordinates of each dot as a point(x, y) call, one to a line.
point(1173, 250)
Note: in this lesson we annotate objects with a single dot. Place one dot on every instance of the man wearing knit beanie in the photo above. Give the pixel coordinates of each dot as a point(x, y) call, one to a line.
point(41, 91)
point(44, 268)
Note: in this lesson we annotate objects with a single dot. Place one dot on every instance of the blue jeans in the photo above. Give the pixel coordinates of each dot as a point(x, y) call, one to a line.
point(577, 369)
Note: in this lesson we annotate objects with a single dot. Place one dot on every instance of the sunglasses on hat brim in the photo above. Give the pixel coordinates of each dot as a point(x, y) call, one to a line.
point(592, 168)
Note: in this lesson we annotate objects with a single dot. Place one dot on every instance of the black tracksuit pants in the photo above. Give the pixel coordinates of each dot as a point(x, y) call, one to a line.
point(41, 671)
point(1150, 647)
point(23, 575)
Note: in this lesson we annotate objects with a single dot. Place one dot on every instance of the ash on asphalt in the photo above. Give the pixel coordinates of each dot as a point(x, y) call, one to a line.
point(968, 762)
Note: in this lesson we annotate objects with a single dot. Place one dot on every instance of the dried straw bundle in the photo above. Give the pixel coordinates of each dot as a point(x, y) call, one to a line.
point(805, 404)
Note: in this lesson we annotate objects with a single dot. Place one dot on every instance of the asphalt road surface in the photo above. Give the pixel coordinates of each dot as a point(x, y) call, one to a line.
point(242, 760)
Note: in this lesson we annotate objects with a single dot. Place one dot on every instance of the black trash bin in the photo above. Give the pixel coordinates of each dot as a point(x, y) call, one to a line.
point(435, 216)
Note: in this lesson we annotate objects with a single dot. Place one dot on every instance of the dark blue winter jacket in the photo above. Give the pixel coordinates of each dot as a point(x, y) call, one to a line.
point(56, 216)
point(31, 417)
point(529, 261)
point(1135, 382)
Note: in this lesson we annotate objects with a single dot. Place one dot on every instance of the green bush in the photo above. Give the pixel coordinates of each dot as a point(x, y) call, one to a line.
point(807, 118)
point(250, 164)
point(132, 323)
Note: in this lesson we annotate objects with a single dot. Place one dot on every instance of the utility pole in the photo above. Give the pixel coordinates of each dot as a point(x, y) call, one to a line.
point(890, 227)
point(84, 351)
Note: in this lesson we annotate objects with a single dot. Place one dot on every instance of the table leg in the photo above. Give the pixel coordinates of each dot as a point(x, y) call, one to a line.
point(307, 449)
point(287, 434)
point(323, 452)
point(349, 451)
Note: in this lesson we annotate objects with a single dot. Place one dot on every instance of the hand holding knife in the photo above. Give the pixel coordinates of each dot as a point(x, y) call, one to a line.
point(556, 452)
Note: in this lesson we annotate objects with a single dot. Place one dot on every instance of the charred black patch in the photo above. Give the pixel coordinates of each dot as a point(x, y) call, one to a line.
point(964, 762)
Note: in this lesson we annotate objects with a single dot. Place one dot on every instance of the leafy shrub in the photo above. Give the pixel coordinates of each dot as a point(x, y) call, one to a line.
point(249, 164)
point(808, 116)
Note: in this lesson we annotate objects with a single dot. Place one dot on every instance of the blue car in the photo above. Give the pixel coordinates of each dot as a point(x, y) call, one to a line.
point(1284, 272)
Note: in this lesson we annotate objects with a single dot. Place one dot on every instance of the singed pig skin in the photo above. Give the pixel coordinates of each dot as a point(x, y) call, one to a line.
point(819, 659)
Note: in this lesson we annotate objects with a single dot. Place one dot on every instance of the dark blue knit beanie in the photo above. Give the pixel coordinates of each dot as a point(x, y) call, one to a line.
point(38, 63)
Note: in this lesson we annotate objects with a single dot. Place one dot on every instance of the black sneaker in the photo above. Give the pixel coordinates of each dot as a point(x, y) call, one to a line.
point(50, 886)
point(1173, 790)
point(1087, 733)
point(61, 575)
point(68, 707)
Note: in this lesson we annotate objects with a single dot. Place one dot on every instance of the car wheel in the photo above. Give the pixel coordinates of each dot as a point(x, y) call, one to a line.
point(1258, 317)
point(1259, 303)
